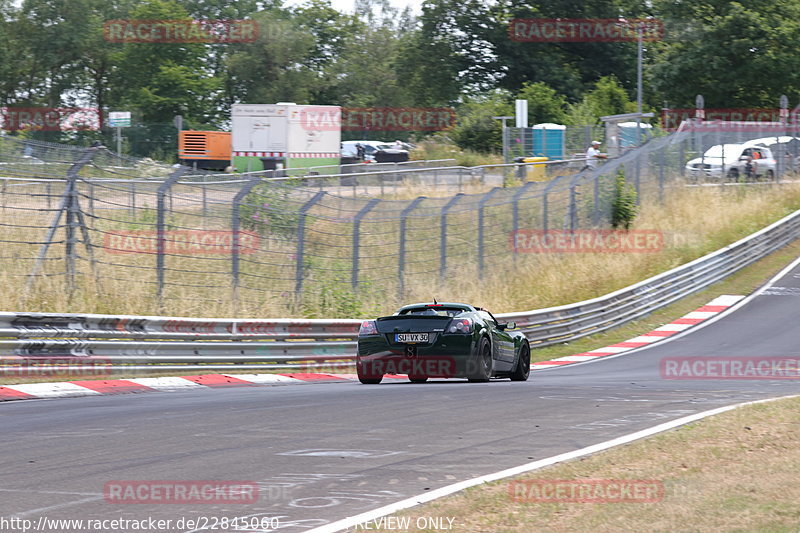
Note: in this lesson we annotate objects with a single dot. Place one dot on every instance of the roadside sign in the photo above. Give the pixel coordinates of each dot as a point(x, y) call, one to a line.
point(119, 119)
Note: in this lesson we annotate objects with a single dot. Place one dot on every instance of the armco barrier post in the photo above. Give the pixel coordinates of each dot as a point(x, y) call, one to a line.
point(357, 236)
point(443, 236)
point(401, 259)
point(301, 235)
point(481, 206)
point(236, 222)
point(161, 241)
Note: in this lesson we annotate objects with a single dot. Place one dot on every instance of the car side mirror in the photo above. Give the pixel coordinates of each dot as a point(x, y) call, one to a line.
point(507, 325)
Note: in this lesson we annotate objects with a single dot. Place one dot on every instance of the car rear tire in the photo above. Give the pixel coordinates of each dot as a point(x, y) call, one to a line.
point(482, 362)
point(523, 369)
point(770, 175)
point(366, 377)
point(417, 379)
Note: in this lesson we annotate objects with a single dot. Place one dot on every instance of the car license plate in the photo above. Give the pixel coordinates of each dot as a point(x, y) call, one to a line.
point(411, 337)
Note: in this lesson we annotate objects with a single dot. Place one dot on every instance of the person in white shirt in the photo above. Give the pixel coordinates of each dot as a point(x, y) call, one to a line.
point(592, 155)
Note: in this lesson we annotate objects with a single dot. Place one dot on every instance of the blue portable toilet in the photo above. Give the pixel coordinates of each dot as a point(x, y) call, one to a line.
point(549, 140)
point(627, 134)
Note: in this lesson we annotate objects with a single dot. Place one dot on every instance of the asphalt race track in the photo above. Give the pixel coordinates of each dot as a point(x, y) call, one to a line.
point(323, 452)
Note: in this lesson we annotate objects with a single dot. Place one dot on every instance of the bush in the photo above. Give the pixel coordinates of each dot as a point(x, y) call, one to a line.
point(623, 205)
point(267, 210)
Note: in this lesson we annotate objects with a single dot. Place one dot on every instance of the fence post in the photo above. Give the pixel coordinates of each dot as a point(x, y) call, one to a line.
point(661, 163)
point(681, 165)
point(357, 236)
point(67, 209)
point(132, 195)
point(573, 203)
point(515, 209)
point(481, 206)
point(236, 221)
point(545, 206)
point(301, 235)
point(91, 197)
point(163, 189)
point(443, 242)
point(401, 260)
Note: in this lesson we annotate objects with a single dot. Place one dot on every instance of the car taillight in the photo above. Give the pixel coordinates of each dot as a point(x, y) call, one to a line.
point(460, 325)
point(368, 327)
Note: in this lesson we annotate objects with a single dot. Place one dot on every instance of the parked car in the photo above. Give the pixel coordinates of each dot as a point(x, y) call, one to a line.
point(370, 147)
point(375, 151)
point(785, 149)
point(733, 161)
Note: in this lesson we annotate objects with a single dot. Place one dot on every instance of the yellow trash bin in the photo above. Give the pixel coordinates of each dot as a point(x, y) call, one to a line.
point(536, 172)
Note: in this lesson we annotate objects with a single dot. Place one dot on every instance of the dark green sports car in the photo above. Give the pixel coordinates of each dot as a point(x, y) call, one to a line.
point(441, 340)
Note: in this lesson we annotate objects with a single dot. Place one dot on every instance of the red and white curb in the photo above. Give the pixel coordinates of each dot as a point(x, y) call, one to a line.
point(32, 391)
point(713, 308)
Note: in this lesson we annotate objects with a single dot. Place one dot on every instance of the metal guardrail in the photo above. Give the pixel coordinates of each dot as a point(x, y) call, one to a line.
point(135, 343)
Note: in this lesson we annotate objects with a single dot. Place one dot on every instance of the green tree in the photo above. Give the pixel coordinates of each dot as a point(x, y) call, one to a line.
point(736, 54)
point(162, 80)
point(274, 68)
point(606, 98)
point(475, 128)
point(544, 103)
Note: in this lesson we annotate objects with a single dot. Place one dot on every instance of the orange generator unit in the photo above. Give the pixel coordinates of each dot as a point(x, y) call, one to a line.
point(206, 150)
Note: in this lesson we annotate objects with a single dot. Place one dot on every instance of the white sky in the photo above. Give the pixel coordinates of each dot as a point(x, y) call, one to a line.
point(347, 6)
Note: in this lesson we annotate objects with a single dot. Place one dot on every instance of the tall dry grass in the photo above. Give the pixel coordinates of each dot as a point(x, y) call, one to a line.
point(695, 221)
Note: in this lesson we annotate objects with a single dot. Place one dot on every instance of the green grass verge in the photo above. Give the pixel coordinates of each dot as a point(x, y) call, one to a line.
point(733, 472)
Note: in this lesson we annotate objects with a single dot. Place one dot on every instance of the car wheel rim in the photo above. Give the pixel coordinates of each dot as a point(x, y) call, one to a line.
point(487, 358)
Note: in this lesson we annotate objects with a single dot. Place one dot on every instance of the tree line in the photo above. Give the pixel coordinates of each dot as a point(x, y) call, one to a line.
point(455, 53)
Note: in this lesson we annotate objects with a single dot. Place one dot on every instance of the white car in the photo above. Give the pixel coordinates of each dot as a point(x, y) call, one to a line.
point(732, 161)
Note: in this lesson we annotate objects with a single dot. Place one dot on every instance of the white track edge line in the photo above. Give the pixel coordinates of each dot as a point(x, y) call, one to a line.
point(741, 303)
point(350, 521)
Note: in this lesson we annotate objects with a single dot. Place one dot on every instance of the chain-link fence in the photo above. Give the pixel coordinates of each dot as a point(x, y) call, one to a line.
point(84, 219)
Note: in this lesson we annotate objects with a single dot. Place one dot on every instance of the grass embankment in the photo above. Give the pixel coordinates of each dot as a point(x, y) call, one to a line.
point(736, 471)
point(431, 150)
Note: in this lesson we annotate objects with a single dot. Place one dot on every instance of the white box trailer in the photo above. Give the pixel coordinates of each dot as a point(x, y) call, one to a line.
point(286, 135)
